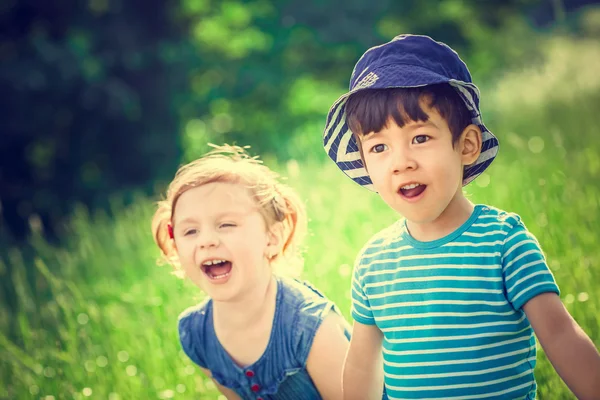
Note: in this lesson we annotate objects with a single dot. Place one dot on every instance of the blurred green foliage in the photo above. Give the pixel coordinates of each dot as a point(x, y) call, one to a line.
point(97, 319)
point(102, 99)
point(108, 96)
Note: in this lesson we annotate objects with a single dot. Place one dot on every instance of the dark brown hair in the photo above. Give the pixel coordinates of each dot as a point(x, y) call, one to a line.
point(369, 110)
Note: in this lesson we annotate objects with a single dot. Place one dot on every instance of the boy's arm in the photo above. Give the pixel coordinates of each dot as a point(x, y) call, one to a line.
point(569, 349)
point(363, 370)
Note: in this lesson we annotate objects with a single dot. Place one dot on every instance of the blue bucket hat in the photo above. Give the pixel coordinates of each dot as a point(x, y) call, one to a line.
point(406, 61)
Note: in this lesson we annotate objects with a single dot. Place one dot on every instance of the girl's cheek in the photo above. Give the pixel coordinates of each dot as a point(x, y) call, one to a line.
point(186, 253)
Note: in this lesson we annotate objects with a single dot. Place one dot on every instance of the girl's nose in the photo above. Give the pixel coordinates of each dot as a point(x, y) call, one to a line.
point(208, 239)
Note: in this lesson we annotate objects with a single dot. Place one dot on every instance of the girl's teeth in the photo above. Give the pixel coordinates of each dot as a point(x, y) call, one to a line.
point(214, 262)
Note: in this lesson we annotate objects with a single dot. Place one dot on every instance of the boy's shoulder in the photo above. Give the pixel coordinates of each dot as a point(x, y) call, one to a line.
point(390, 238)
point(494, 214)
point(385, 238)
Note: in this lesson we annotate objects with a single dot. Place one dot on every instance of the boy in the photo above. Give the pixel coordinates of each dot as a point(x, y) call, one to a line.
point(454, 292)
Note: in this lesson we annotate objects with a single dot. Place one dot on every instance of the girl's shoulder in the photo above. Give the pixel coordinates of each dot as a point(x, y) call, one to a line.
point(196, 311)
point(302, 297)
point(303, 308)
point(192, 325)
point(195, 316)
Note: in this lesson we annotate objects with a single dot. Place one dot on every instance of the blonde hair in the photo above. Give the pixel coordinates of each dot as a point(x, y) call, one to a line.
point(277, 202)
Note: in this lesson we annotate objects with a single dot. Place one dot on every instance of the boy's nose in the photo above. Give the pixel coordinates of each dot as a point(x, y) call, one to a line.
point(402, 160)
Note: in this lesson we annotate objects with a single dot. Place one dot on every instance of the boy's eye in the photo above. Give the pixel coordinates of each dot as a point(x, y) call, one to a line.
point(378, 148)
point(420, 139)
point(227, 225)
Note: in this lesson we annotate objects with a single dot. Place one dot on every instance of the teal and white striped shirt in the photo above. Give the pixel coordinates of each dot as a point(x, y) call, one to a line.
point(451, 310)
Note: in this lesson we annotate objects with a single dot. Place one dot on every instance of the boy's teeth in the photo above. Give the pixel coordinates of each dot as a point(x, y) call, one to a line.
point(211, 262)
point(411, 186)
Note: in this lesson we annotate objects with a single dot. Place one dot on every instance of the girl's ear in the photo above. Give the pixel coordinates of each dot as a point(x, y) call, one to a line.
point(274, 240)
point(470, 144)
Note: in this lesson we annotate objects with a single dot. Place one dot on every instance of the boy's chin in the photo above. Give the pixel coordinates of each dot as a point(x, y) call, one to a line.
point(420, 219)
point(420, 216)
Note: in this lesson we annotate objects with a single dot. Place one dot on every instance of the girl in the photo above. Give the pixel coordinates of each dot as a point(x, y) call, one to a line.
point(226, 222)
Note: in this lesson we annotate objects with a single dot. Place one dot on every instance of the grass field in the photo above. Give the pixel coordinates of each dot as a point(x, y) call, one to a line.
point(98, 318)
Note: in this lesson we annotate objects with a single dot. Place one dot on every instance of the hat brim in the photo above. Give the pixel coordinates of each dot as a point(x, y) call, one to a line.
point(340, 143)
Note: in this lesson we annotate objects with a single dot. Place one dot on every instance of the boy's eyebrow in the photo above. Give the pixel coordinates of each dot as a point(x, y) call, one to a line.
point(370, 135)
point(420, 124)
point(412, 125)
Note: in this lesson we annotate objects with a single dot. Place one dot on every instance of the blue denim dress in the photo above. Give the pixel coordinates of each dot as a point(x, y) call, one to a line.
point(280, 373)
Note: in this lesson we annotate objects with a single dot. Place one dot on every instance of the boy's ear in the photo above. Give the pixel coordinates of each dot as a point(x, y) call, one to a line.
point(470, 144)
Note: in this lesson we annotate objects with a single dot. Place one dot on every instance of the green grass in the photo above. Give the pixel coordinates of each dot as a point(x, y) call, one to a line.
point(97, 318)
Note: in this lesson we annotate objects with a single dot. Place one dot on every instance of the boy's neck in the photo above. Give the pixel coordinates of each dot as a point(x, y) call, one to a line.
point(457, 213)
point(254, 308)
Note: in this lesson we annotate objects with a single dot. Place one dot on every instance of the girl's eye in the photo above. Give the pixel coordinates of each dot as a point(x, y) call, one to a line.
point(227, 225)
point(378, 148)
point(419, 139)
point(190, 232)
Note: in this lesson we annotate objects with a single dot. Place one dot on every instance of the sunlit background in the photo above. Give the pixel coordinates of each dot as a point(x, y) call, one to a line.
point(103, 99)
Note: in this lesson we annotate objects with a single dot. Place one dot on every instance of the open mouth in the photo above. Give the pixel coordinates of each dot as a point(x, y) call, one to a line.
point(217, 269)
point(412, 190)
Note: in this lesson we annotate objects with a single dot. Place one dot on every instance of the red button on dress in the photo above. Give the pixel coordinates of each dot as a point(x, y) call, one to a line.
point(249, 374)
point(255, 388)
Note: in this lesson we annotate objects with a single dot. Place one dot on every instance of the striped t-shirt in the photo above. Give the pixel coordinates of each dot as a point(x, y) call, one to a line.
point(451, 310)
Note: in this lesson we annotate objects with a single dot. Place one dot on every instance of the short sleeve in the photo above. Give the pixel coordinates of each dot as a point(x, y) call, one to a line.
point(306, 323)
point(361, 309)
point(190, 336)
point(524, 267)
